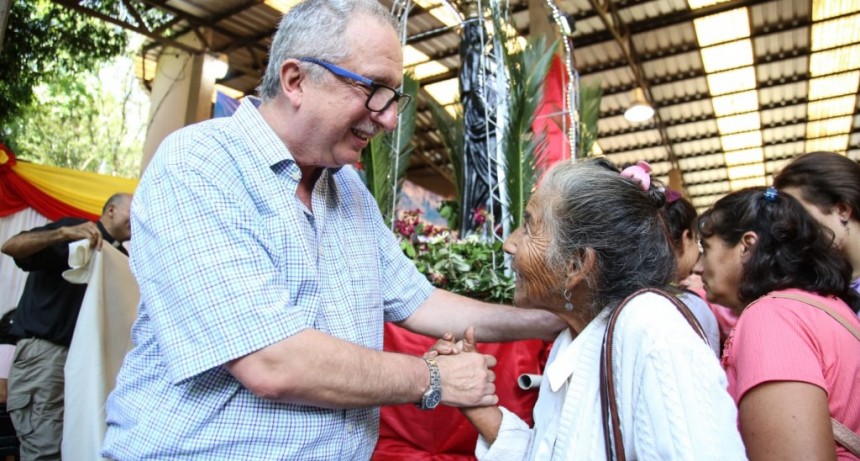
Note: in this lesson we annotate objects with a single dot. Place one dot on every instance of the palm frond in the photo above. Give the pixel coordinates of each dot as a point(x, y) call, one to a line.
point(403, 140)
point(527, 69)
point(386, 157)
point(589, 113)
point(452, 131)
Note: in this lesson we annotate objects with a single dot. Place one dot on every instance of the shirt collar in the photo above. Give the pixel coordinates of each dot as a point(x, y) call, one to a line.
point(105, 234)
point(260, 135)
point(109, 238)
point(559, 371)
point(266, 142)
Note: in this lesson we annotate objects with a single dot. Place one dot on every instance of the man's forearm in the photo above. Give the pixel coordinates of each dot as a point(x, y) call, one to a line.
point(313, 368)
point(30, 243)
point(445, 311)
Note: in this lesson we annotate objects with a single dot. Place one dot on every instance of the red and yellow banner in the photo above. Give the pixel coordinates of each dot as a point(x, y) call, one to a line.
point(55, 192)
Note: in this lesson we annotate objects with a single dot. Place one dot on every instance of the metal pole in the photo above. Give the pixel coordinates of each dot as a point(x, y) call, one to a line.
point(5, 10)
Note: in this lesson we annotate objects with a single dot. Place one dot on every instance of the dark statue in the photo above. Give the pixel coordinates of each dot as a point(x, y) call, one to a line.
point(479, 164)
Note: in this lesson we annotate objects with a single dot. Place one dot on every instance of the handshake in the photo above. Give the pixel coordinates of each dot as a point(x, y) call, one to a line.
point(465, 376)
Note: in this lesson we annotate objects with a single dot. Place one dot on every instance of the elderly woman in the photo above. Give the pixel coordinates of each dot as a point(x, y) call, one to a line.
point(791, 365)
point(591, 239)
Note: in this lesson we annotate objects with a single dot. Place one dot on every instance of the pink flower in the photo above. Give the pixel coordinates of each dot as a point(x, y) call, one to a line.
point(410, 227)
point(479, 216)
point(438, 279)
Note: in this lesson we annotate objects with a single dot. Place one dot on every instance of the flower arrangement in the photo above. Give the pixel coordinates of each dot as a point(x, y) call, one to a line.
point(470, 266)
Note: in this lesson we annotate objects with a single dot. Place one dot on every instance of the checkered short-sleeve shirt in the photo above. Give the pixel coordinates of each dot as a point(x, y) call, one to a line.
point(229, 262)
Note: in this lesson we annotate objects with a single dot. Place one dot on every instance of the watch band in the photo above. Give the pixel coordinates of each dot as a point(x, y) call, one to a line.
point(433, 395)
point(435, 376)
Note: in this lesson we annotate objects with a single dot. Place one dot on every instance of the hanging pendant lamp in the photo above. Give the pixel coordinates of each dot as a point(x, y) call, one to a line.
point(639, 110)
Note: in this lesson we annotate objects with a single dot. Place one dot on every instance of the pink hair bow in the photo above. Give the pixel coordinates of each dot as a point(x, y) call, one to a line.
point(672, 195)
point(639, 173)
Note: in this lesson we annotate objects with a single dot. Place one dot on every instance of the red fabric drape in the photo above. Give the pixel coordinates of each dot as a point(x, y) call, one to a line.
point(443, 434)
point(17, 194)
point(549, 116)
point(10, 201)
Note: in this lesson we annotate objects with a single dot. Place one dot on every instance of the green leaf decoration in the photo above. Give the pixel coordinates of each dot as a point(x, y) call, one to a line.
point(589, 114)
point(386, 157)
point(452, 131)
point(527, 70)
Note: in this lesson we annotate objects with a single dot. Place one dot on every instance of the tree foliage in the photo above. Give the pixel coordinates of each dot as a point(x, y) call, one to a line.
point(44, 43)
point(77, 122)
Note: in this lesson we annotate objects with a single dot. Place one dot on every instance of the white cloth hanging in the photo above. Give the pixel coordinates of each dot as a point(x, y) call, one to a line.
point(102, 338)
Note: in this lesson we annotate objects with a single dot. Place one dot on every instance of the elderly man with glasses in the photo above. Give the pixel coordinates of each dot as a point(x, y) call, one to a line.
point(266, 271)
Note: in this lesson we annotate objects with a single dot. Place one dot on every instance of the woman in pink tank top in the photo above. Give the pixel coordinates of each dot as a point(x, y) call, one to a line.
point(790, 365)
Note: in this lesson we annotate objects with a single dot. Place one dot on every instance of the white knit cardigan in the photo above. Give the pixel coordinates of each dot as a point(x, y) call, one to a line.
point(671, 392)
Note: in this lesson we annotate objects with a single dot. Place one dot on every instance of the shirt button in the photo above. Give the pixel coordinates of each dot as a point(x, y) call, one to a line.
point(349, 427)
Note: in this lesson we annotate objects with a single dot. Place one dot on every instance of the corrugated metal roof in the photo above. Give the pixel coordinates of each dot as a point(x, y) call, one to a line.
point(666, 48)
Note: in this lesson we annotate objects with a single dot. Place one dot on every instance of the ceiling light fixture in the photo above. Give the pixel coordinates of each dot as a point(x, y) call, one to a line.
point(639, 110)
point(282, 6)
point(218, 65)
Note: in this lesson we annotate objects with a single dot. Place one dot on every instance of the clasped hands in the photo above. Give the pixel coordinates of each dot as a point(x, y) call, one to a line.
point(467, 375)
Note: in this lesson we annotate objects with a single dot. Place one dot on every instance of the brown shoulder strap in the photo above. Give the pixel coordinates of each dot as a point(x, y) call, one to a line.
point(845, 436)
point(815, 303)
point(611, 423)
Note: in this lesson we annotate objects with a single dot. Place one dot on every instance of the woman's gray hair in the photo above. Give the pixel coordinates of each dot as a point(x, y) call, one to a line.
point(316, 29)
point(589, 205)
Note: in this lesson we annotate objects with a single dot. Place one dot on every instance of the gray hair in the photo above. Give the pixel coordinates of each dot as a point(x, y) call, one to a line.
point(316, 28)
point(589, 205)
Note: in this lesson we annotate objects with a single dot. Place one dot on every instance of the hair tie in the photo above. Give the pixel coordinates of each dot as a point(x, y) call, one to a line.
point(672, 195)
point(639, 173)
point(770, 194)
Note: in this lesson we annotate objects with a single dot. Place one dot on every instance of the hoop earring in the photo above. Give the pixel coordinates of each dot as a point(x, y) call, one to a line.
point(568, 306)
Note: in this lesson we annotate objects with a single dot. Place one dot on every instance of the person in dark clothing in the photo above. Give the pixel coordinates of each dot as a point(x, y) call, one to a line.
point(45, 321)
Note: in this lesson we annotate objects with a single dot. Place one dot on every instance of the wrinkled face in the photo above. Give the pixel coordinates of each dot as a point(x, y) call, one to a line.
point(722, 266)
point(828, 219)
point(343, 125)
point(118, 218)
point(536, 285)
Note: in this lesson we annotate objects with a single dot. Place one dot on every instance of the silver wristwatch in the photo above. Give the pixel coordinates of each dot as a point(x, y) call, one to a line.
point(433, 396)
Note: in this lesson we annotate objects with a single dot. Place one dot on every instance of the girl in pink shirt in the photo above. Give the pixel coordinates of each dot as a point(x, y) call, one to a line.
point(790, 366)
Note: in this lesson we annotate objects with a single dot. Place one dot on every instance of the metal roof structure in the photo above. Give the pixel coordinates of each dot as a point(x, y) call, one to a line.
point(740, 86)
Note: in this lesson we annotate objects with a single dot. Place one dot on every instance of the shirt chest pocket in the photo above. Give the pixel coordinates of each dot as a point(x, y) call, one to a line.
point(359, 257)
point(349, 271)
point(283, 242)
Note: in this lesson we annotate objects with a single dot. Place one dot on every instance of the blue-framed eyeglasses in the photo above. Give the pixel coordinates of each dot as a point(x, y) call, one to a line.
point(380, 96)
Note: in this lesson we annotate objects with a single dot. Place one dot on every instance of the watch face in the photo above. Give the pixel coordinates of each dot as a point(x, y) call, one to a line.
point(432, 399)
